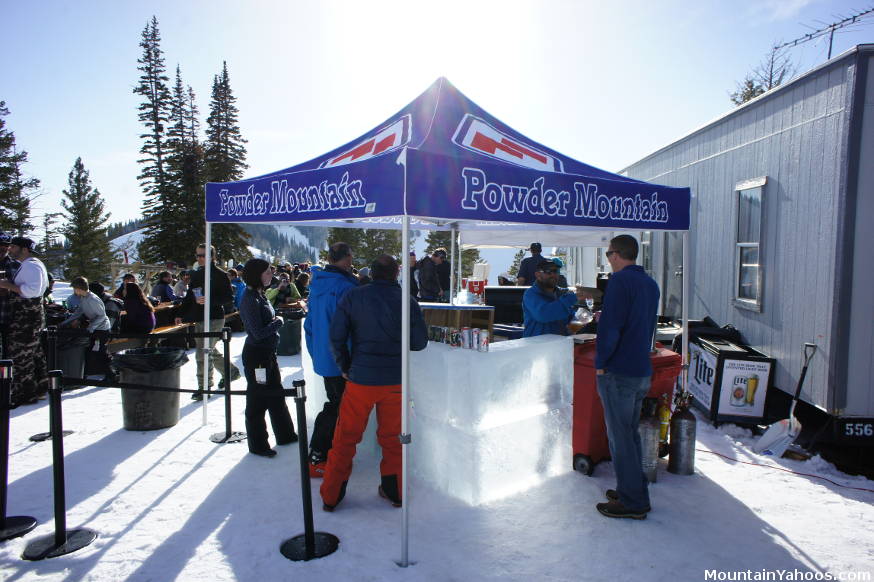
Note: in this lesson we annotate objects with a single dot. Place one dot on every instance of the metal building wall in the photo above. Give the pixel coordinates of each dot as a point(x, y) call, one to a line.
point(794, 135)
point(858, 399)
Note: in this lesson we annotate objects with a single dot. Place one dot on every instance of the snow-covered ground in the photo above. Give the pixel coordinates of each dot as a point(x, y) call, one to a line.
point(171, 505)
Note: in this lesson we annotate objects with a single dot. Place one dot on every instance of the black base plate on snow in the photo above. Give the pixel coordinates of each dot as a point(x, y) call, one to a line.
point(45, 547)
point(15, 526)
point(223, 438)
point(295, 548)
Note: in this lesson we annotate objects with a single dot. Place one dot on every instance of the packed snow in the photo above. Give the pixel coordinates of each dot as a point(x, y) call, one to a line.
point(172, 505)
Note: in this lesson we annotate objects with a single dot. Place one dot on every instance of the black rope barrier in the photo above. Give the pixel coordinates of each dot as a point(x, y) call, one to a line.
point(63, 541)
point(310, 544)
point(105, 384)
point(229, 436)
point(17, 525)
point(76, 332)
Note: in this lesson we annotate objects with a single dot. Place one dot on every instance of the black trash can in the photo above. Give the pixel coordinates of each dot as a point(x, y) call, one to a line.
point(147, 409)
point(289, 333)
point(71, 352)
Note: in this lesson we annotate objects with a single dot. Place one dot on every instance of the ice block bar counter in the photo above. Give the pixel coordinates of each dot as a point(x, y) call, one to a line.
point(488, 424)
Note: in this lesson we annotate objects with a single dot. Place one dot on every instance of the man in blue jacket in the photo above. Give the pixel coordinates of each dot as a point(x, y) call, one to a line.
point(623, 368)
point(369, 318)
point(547, 308)
point(326, 288)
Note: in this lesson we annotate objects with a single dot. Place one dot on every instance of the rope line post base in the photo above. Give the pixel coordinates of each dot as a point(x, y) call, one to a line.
point(18, 525)
point(63, 541)
point(44, 436)
point(47, 547)
point(229, 436)
point(223, 438)
point(310, 544)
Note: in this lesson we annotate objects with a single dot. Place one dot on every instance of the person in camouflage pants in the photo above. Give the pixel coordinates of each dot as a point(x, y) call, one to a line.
point(25, 293)
point(29, 379)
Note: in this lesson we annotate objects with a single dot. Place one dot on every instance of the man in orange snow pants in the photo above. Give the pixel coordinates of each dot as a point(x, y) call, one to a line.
point(366, 343)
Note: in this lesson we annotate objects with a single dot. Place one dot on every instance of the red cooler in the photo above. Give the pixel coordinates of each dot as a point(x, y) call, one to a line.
point(590, 445)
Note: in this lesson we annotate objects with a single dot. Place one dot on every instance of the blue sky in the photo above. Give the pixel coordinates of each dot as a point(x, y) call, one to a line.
point(604, 82)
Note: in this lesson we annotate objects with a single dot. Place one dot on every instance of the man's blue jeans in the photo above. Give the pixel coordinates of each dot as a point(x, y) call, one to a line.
point(622, 397)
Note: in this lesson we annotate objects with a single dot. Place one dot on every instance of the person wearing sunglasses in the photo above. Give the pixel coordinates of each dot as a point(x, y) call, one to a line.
point(546, 307)
point(623, 370)
point(221, 294)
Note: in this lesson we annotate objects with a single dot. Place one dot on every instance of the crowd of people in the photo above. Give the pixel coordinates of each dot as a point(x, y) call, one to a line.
point(352, 331)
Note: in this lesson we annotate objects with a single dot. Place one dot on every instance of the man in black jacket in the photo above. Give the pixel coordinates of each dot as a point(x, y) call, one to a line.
point(430, 288)
point(366, 343)
point(221, 294)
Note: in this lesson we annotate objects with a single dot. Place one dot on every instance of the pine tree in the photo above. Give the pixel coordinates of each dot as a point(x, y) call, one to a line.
point(225, 161)
point(517, 262)
point(185, 158)
point(443, 238)
point(154, 113)
point(366, 243)
point(776, 68)
point(16, 191)
point(53, 250)
point(89, 251)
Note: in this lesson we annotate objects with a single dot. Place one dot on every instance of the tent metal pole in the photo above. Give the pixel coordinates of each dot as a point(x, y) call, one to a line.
point(207, 287)
point(405, 389)
point(685, 309)
point(451, 270)
point(458, 277)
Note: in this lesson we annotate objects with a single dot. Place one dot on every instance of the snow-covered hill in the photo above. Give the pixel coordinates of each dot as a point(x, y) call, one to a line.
point(130, 241)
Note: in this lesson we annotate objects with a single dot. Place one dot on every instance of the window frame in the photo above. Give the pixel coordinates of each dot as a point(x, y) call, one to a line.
point(737, 301)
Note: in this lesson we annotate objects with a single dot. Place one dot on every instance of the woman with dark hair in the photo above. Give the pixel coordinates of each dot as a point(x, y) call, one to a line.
point(163, 289)
point(259, 363)
point(139, 314)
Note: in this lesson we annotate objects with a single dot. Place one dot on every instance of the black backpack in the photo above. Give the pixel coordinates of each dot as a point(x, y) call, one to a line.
point(114, 307)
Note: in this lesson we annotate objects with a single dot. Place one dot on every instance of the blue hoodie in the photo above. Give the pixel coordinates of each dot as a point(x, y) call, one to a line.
point(326, 288)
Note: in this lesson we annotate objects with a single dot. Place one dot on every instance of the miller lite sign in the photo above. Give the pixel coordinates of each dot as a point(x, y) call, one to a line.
point(478, 136)
point(389, 138)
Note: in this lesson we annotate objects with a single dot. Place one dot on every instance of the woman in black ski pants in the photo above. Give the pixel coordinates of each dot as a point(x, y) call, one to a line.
point(259, 363)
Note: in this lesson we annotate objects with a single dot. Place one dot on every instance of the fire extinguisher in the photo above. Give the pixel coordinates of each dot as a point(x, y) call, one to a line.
point(683, 428)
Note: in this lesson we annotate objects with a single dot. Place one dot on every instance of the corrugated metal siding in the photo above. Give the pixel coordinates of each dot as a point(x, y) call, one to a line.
point(794, 138)
point(860, 396)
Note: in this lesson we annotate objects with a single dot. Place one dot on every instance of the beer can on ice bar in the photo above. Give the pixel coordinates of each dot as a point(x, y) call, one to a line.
point(465, 338)
point(483, 343)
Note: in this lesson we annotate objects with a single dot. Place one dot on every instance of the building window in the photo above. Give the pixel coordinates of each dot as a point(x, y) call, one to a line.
point(748, 236)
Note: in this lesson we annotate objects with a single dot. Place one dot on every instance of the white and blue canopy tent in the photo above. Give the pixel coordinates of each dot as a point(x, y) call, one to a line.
point(442, 162)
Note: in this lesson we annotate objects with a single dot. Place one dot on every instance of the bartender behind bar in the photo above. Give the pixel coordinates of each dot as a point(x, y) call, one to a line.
point(546, 307)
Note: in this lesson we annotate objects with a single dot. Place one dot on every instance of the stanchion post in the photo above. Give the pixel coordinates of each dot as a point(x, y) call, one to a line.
point(18, 525)
point(62, 542)
point(228, 436)
point(52, 362)
point(52, 347)
point(310, 544)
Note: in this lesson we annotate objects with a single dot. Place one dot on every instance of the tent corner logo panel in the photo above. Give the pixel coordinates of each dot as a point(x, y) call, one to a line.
point(478, 136)
point(389, 138)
